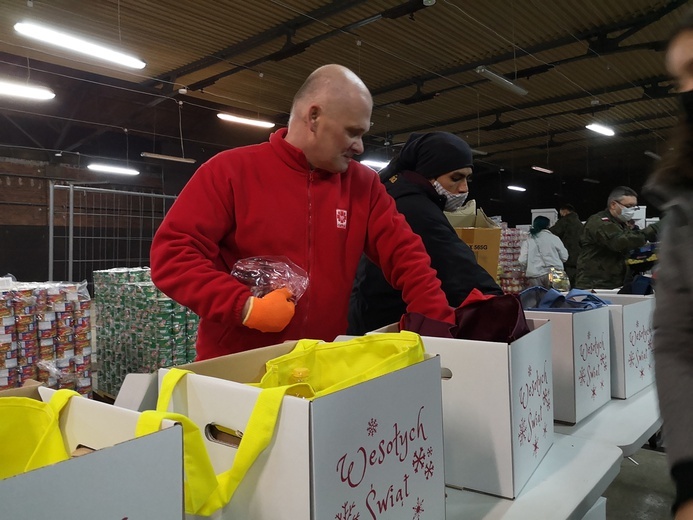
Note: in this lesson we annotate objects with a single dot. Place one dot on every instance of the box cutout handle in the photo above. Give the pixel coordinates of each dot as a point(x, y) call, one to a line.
point(223, 435)
point(445, 373)
point(81, 450)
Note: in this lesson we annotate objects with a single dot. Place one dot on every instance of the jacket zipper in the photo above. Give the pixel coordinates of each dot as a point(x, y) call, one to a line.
point(309, 246)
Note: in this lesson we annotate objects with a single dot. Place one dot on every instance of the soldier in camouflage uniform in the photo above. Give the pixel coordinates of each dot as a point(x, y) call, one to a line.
point(569, 230)
point(607, 239)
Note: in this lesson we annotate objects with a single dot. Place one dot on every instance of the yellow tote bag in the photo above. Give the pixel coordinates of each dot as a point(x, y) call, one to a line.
point(323, 368)
point(30, 435)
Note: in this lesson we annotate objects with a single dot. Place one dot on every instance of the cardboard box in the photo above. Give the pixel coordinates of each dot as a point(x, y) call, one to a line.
point(480, 233)
point(125, 477)
point(581, 355)
point(632, 352)
point(497, 409)
point(485, 243)
point(372, 450)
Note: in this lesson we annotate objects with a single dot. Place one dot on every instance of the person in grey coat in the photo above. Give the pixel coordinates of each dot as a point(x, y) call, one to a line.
point(671, 189)
point(540, 252)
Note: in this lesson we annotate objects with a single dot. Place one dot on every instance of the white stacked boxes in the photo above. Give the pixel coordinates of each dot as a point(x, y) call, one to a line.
point(372, 450)
point(111, 477)
point(581, 361)
point(632, 352)
point(497, 408)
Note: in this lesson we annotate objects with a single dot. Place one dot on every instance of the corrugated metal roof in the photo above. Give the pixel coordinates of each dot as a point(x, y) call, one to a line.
point(229, 48)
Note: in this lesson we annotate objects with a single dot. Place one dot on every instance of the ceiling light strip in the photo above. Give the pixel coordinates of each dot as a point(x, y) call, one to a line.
point(542, 170)
point(107, 168)
point(60, 39)
point(10, 88)
point(501, 81)
point(175, 158)
point(600, 129)
point(245, 120)
point(376, 165)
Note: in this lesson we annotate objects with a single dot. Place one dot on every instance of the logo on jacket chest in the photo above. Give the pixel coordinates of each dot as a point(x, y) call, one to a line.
point(341, 219)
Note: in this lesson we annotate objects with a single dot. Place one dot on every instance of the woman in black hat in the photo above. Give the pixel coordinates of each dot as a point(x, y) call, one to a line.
point(429, 176)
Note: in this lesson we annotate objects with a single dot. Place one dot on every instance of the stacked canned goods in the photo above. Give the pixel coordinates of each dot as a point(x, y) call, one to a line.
point(45, 334)
point(511, 273)
point(139, 329)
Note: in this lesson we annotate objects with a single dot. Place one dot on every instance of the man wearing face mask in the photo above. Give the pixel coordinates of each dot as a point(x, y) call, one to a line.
point(429, 176)
point(607, 239)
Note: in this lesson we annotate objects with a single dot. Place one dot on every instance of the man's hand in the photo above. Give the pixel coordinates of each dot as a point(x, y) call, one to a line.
point(271, 313)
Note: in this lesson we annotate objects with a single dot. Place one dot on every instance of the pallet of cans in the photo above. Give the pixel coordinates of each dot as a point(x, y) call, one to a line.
point(139, 329)
point(511, 274)
point(45, 334)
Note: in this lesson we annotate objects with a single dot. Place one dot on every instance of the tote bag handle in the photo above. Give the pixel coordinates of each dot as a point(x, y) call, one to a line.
point(206, 492)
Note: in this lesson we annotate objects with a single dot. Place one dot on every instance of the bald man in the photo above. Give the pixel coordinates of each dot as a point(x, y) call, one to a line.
point(301, 196)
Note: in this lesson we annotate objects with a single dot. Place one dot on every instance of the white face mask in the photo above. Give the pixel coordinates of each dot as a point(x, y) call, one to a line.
point(452, 201)
point(626, 214)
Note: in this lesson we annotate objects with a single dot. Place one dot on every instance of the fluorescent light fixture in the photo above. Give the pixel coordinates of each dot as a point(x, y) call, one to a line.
point(542, 170)
point(107, 168)
point(653, 155)
point(501, 81)
point(60, 39)
point(10, 88)
point(600, 129)
point(245, 120)
point(168, 157)
point(592, 181)
point(516, 188)
point(376, 165)
point(478, 152)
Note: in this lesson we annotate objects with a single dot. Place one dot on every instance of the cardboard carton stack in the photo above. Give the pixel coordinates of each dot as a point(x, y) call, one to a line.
point(45, 334)
point(139, 328)
point(480, 233)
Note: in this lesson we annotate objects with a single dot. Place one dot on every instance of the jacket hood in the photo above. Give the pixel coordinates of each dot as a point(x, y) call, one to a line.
point(407, 183)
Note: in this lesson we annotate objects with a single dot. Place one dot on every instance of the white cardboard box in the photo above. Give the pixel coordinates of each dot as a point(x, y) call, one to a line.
point(497, 409)
point(126, 477)
point(374, 450)
point(632, 352)
point(581, 361)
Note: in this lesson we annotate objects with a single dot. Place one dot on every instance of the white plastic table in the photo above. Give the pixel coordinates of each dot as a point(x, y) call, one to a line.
point(626, 423)
point(566, 485)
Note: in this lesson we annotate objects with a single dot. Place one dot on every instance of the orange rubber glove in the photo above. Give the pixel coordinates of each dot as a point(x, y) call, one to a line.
point(272, 312)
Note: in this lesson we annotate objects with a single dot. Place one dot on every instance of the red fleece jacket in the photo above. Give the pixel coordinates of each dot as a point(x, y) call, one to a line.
point(265, 200)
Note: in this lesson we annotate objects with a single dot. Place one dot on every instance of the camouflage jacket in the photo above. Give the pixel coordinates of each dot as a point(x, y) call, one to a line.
point(569, 230)
point(604, 247)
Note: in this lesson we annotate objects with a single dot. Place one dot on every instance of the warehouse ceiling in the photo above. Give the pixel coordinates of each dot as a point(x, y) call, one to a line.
point(580, 62)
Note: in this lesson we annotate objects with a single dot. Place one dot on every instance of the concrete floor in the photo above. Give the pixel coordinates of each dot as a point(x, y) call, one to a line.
point(643, 491)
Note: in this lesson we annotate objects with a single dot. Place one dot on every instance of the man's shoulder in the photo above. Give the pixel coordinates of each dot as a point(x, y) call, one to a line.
point(598, 219)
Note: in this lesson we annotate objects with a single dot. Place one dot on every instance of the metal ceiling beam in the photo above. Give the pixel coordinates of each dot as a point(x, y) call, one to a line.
point(292, 49)
point(27, 134)
point(536, 135)
point(278, 31)
point(528, 105)
point(262, 38)
point(648, 18)
point(525, 73)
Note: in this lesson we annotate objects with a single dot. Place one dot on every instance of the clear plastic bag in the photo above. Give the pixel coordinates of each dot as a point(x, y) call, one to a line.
point(264, 274)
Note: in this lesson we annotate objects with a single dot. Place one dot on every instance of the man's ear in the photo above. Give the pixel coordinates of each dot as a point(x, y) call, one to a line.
point(313, 116)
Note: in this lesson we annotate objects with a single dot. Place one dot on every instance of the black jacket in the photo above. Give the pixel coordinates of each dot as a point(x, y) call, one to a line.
point(374, 303)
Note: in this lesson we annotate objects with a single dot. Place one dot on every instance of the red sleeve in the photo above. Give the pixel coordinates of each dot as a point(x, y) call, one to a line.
point(401, 255)
point(186, 263)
